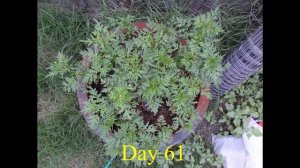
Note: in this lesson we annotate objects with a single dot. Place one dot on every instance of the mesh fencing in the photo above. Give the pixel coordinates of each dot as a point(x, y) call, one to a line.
point(245, 60)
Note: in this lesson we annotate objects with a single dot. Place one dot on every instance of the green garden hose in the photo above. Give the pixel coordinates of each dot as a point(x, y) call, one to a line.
point(109, 162)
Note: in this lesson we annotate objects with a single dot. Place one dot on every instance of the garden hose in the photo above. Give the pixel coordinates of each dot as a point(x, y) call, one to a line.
point(109, 162)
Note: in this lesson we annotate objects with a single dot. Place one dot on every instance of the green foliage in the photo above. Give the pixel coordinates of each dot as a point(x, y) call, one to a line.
point(61, 67)
point(198, 154)
point(150, 66)
point(121, 97)
point(161, 121)
point(240, 104)
point(238, 20)
point(63, 142)
point(57, 31)
point(63, 136)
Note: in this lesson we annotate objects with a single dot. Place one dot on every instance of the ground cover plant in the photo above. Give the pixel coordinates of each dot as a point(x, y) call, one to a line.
point(237, 105)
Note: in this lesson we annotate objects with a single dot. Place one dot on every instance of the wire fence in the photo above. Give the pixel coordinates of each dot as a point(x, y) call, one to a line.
point(245, 60)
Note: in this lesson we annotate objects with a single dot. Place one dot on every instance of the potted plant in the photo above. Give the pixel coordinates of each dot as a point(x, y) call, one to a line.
point(139, 82)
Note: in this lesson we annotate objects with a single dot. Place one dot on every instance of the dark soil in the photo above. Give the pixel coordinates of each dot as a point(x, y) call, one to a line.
point(98, 86)
point(196, 100)
point(206, 130)
point(149, 116)
point(163, 110)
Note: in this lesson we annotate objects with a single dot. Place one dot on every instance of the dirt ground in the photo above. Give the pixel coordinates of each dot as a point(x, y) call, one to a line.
point(206, 130)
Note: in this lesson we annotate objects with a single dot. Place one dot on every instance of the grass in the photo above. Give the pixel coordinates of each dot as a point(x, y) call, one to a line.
point(58, 31)
point(238, 20)
point(63, 138)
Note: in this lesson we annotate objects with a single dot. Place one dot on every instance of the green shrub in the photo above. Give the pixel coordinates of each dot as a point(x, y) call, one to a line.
point(145, 72)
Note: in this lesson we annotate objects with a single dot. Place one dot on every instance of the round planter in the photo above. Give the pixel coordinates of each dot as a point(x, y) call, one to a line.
point(178, 136)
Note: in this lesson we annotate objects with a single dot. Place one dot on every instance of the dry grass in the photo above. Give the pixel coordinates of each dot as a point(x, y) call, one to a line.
point(45, 106)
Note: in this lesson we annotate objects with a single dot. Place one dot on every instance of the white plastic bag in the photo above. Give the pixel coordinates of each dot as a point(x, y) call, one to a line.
point(240, 152)
point(253, 147)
